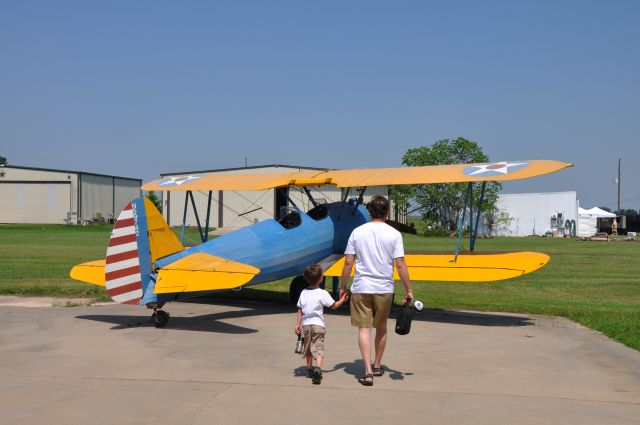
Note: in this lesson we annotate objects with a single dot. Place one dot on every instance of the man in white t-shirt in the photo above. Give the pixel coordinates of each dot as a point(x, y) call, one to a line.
point(374, 247)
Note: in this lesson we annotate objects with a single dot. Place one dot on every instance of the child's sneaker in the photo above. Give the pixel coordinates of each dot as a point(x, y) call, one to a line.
point(316, 375)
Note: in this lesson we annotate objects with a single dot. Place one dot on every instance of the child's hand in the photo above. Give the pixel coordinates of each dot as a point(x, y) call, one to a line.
point(298, 329)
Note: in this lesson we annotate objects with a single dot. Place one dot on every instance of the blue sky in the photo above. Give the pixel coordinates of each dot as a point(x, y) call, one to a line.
point(139, 88)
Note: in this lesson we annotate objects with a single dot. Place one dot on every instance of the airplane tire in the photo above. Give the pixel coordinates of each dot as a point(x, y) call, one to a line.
point(160, 318)
point(295, 288)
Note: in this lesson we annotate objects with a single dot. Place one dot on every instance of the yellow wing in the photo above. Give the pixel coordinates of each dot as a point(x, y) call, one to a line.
point(497, 171)
point(196, 272)
point(91, 272)
point(203, 272)
point(469, 267)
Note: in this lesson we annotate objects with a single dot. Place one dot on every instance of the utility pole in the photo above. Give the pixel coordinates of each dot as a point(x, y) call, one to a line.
point(618, 181)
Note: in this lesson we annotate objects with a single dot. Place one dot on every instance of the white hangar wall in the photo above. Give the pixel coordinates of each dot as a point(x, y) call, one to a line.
point(46, 196)
point(106, 196)
point(36, 195)
point(231, 210)
point(531, 213)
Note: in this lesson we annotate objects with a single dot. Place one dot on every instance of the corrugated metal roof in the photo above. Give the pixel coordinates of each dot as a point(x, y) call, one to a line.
point(20, 167)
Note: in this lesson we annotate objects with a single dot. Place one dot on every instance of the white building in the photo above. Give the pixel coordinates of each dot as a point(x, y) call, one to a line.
point(41, 195)
point(525, 214)
point(231, 210)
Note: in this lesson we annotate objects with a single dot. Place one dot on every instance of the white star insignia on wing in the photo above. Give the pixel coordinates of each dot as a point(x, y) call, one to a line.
point(177, 181)
point(498, 167)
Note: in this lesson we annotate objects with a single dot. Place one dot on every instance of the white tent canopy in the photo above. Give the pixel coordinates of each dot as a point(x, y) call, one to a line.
point(599, 213)
point(588, 220)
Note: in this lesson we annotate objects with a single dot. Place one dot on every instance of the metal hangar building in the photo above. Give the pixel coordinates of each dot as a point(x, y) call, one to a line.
point(49, 196)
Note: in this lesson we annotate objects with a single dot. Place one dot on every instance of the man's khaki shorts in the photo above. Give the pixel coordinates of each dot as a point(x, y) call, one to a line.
point(313, 340)
point(370, 310)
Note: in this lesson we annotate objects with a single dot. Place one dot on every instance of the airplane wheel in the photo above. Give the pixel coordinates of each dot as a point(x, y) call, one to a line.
point(160, 318)
point(295, 288)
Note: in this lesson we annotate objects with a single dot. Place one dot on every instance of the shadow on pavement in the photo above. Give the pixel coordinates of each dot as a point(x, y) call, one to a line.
point(468, 318)
point(214, 322)
point(203, 323)
point(207, 323)
point(356, 369)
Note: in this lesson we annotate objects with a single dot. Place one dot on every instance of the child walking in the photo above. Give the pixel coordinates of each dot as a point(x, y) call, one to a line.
point(310, 320)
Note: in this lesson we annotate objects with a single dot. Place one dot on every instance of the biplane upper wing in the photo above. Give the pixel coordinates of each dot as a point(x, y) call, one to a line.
point(496, 171)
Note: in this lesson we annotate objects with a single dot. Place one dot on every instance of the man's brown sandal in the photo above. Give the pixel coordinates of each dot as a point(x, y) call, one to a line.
point(366, 380)
point(377, 371)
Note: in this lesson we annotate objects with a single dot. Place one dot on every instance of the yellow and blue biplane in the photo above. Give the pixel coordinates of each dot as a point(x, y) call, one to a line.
point(147, 265)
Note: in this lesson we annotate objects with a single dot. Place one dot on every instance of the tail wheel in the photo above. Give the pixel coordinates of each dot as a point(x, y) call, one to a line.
point(160, 318)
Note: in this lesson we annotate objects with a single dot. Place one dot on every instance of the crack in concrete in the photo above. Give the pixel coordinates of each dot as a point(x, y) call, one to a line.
point(327, 387)
point(205, 404)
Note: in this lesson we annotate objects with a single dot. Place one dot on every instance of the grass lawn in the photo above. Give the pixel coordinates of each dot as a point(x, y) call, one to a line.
point(594, 283)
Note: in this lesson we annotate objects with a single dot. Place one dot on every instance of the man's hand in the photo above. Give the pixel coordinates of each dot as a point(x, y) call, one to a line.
point(344, 296)
point(403, 272)
point(344, 292)
point(407, 298)
point(349, 260)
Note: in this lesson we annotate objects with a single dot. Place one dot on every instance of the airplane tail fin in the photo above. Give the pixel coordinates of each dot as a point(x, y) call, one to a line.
point(140, 236)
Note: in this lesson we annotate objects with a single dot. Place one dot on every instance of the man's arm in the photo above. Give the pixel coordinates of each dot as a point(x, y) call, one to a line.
point(349, 259)
point(403, 272)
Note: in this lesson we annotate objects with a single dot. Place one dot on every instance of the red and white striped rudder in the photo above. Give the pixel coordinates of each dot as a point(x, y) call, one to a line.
point(122, 271)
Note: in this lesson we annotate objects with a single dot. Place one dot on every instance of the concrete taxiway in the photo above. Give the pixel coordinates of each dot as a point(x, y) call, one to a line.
point(226, 363)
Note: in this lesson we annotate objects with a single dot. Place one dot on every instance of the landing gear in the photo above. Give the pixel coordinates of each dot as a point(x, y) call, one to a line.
point(298, 284)
point(295, 288)
point(160, 318)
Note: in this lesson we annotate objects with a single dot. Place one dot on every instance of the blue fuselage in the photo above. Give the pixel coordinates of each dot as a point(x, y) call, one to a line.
point(281, 252)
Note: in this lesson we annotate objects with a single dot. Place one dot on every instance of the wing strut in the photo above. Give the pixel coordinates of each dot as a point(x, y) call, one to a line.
point(474, 233)
point(360, 198)
point(184, 217)
point(206, 228)
point(313, 201)
point(291, 202)
point(204, 234)
point(467, 198)
point(344, 201)
point(195, 211)
point(473, 227)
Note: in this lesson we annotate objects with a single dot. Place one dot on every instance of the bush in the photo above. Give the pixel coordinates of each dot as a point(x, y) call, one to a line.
point(433, 231)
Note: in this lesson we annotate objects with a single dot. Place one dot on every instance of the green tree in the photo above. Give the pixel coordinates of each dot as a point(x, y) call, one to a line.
point(443, 203)
point(400, 196)
point(151, 195)
point(3, 160)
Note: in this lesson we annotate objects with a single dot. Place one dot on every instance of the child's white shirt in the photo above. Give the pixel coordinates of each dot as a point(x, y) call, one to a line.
point(312, 303)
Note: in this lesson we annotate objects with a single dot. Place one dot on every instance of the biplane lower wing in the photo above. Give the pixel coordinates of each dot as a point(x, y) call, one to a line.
point(469, 267)
point(203, 272)
point(91, 272)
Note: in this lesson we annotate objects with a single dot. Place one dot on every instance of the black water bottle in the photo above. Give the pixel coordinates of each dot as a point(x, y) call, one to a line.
point(299, 344)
